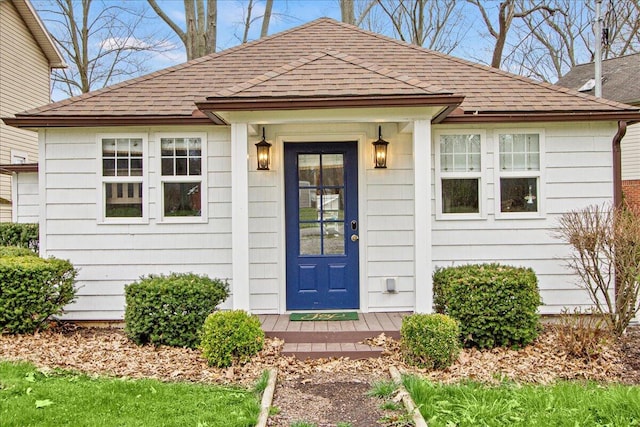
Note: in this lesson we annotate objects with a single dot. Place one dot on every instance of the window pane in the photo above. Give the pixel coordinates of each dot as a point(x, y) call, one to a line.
point(182, 199)
point(167, 167)
point(519, 152)
point(108, 167)
point(136, 147)
point(460, 196)
point(108, 148)
point(181, 166)
point(123, 147)
point(136, 167)
point(123, 167)
point(195, 147)
point(166, 147)
point(332, 170)
point(334, 238)
point(309, 169)
point(181, 146)
point(518, 194)
point(460, 153)
point(123, 204)
point(194, 166)
point(310, 239)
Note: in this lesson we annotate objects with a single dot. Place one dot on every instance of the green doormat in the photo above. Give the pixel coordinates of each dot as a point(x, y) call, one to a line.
point(347, 315)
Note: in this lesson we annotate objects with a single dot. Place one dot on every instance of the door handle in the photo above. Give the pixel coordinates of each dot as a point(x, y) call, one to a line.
point(354, 238)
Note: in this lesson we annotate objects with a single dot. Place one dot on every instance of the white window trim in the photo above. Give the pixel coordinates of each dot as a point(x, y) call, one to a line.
point(539, 174)
point(204, 188)
point(21, 154)
point(101, 204)
point(481, 175)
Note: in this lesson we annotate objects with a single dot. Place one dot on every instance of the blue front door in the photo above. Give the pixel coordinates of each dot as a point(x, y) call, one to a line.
point(321, 207)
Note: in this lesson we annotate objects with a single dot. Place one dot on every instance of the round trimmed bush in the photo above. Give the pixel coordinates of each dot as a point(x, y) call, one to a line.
point(495, 305)
point(32, 290)
point(231, 336)
point(430, 340)
point(171, 309)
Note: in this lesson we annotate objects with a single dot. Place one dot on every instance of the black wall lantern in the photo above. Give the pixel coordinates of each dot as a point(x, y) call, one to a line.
point(380, 151)
point(264, 155)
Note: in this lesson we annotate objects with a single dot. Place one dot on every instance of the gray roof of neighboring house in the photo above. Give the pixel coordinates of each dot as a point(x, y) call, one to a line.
point(620, 78)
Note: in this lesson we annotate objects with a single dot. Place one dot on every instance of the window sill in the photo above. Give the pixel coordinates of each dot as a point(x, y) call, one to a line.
point(459, 217)
point(183, 220)
point(520, 215)
point(123, 221)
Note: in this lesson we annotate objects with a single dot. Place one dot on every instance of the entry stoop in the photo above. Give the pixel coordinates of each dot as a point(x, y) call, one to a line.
point(324, 339)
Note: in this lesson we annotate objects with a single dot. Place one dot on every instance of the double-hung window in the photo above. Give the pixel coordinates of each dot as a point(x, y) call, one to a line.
point(519, 173)
point(459, 175)
point(183, 177)
point(123, 175)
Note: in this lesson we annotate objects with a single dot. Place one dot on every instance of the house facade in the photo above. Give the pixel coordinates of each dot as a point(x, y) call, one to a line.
point(163, 174)
point(28, 54)
point(620, 82)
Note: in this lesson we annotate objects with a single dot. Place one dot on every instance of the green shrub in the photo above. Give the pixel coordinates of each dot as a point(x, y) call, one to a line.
point(171, 309)
point(430, 340)
point(13, 251)
point(21, 235)
point(230, 336)
point(496, 305)
point(32, 290)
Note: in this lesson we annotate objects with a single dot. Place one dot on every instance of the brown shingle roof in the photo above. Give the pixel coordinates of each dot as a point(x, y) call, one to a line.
point(323, 57)
point(620, 78)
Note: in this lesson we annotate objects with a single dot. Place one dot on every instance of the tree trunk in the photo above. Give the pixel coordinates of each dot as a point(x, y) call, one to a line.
point(347, 11)
point(266, 19)
point(212, 26)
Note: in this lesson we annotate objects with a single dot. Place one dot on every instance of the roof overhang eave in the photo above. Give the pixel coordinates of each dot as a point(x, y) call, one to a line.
point(43, 121)
point(630, 117)
point(312, 103)
point(18, 168)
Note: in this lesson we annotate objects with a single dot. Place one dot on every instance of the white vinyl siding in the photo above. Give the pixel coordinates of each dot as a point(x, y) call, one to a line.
point(577, 173)
point(109, 255)
point(25, 197)
point(24, 84)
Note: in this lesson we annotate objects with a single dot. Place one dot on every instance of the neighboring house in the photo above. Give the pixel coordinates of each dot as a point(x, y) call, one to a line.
point(27, 55)
point(620, 82)
point(161, 173)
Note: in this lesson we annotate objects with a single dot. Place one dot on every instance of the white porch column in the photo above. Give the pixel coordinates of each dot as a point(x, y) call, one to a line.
point(240, 215)
point(422, 215)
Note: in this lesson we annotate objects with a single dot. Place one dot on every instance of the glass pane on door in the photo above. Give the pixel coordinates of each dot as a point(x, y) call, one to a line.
point(321, 204)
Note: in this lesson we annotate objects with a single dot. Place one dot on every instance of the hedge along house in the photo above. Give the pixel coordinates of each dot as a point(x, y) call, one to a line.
point(162, 173)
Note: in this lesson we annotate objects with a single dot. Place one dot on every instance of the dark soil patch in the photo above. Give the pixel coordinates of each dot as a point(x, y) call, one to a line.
point(326, 400)
point(630, 350)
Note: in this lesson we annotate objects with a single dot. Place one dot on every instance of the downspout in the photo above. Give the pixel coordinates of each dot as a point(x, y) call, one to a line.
point(617, 163)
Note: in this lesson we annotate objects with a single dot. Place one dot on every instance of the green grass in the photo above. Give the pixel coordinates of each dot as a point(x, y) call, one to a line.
point(29, 397)
point(563, 404)
point(382, 389)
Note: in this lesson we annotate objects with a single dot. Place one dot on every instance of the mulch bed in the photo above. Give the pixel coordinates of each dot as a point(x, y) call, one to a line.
point(108, 351)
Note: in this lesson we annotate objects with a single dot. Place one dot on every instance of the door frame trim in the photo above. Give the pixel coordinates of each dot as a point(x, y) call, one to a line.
point(362, 150)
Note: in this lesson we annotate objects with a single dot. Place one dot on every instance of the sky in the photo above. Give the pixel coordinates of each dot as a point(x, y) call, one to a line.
point(286, 14)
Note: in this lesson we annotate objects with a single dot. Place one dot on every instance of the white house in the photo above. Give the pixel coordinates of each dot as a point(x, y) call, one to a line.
point(161, 174)
point(27, 55)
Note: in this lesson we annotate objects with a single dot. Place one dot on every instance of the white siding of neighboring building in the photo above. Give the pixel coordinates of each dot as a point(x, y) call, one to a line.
point(577, 173)
point(631, 153)
point(25, 197)
point(24, 84)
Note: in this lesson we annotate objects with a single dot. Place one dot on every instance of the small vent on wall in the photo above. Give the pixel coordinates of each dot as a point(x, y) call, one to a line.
point(390, 285)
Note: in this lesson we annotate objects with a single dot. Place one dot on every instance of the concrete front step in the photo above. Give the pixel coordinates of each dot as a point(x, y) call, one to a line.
point(317, 350)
